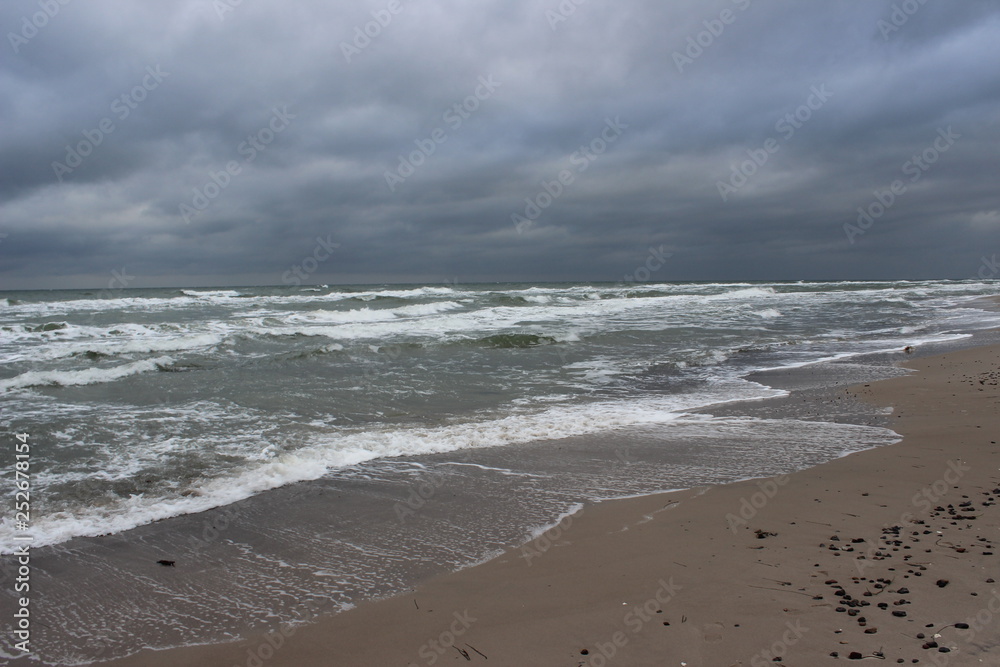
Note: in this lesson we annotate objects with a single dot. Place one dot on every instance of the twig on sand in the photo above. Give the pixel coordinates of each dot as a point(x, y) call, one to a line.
point(465, 654)
point(783, 590)
point(960, 626)
point(477, 651)
point(878, 655)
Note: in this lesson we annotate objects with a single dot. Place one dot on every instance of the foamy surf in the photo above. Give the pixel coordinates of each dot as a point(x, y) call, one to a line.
point(323, 453)
point(157, 403)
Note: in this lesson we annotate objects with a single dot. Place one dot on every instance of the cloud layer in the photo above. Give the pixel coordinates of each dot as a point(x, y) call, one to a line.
point(219, 141)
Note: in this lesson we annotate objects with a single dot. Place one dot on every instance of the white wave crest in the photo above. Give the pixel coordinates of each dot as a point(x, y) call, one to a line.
point(82, 377)
point(211, 293)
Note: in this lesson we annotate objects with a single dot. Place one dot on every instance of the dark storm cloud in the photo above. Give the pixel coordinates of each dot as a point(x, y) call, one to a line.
point(506, 140)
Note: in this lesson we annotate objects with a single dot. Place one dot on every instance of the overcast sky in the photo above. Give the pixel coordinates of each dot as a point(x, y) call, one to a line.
point(215, 142)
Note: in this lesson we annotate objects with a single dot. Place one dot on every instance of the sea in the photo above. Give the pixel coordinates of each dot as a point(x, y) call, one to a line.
point(376, 434)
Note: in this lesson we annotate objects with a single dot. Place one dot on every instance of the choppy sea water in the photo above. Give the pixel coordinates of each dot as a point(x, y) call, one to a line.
point(151, 403)
point(434, 426)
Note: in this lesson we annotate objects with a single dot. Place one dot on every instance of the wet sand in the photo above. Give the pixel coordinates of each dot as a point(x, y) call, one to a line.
point(885, 554)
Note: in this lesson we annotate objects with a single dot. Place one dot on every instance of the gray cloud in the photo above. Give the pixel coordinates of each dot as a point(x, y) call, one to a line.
point(897, 73)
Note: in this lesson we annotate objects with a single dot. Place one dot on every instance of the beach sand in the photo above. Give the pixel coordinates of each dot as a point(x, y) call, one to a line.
point(876, 555)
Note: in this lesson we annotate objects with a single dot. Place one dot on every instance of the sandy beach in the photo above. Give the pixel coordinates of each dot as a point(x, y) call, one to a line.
point(885, 554)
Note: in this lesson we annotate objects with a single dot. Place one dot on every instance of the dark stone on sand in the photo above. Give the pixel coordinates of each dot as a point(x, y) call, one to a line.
point(962, 626)
point(928, 645)
point(899, 614)
point(166, 563)
point(870, 631)
point(944, 649)
point(854, 655)
point(941, 583)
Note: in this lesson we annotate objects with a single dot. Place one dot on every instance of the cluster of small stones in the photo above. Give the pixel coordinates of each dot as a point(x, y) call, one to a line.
point(862, 604)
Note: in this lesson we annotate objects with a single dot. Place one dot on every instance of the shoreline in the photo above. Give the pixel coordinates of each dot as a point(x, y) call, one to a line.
point(608, 580)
